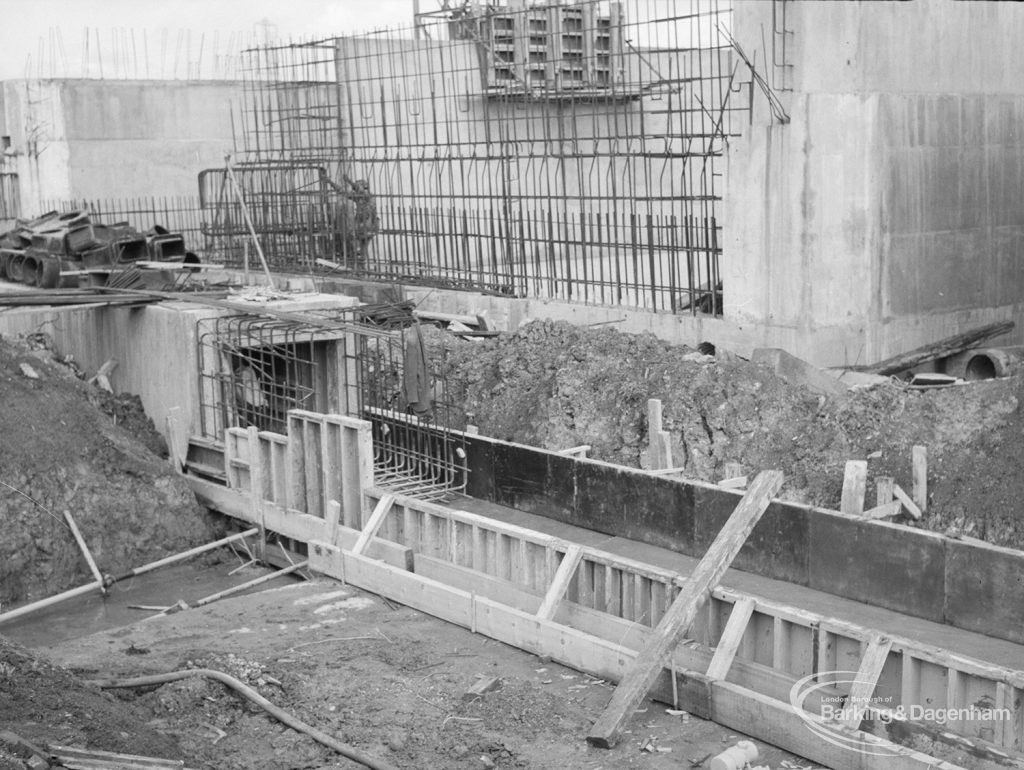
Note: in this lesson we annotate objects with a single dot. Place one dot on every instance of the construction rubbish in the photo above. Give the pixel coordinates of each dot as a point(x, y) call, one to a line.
point(735, 757)
point(942, 349)
point(109, 580)
point(242, 689)
point(70, 250)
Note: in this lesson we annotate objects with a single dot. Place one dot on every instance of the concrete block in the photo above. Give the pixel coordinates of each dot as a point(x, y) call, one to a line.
point(796, 371)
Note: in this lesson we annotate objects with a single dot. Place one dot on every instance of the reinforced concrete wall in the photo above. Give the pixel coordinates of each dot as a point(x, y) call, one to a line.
point(888, 212)
point(964, 583)
point(115, 139)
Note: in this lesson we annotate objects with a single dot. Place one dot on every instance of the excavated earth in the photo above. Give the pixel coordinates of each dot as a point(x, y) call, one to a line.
point(386, 679)
point(556, 386)
point(67, 446)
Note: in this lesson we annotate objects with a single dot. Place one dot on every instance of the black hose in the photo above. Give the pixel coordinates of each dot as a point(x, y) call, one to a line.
point(278, 713)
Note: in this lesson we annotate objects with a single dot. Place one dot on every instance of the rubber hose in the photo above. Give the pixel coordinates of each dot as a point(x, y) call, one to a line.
point(278, 713)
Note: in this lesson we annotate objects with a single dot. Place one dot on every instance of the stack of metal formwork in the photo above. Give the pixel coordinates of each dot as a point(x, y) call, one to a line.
point(70, 249)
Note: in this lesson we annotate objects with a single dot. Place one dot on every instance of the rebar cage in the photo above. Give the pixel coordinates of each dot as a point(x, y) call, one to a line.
point(254, 369)
point(563, 150)
point(404, 394)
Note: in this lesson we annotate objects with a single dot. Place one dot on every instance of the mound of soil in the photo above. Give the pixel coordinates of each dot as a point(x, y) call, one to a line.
point(555, 385)
point(69, 446)
point(45, 704)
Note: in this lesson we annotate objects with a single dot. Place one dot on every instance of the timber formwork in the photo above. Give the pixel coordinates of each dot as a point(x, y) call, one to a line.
point(745, 661)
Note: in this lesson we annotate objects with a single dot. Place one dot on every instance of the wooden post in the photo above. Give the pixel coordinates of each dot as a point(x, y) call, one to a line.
point(256, 481)
point(867, 678)
point(883, 490)
point(376, 519)
point(560, 582)
point(854, 485)
point(644, 669)
point(919, 461)
point(727, 646)
point(658, 439)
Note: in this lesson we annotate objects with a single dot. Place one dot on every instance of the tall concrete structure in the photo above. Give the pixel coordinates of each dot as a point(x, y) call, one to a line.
point(889, 210)
point(88, 139)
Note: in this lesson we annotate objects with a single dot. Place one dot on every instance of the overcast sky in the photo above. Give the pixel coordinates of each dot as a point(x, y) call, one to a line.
point(29, 28)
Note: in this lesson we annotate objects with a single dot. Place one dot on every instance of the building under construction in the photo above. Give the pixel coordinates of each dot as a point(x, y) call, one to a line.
point(748, 175)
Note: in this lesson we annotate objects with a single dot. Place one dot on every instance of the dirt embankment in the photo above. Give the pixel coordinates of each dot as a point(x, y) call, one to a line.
point(556, 385)
point(69, 446)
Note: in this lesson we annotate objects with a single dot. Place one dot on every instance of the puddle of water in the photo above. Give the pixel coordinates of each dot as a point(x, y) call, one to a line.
point(91, 613)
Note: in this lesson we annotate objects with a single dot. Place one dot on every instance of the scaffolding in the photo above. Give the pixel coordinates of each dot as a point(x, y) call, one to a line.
point(563, 151)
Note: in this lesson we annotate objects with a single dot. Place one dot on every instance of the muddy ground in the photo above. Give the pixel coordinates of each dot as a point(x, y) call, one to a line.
point(556, 386)
point(66, 445)
point(385, 679)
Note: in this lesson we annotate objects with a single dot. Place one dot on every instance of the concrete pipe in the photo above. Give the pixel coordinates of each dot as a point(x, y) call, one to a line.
point(984, 363)
point(48, 272)
point(14, 268)
point(28, 270)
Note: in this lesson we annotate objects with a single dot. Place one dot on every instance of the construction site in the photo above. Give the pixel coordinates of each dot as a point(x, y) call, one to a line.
point(588, 384)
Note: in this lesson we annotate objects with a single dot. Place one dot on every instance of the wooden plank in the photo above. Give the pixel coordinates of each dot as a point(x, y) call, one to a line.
point(256, 475)
point(909, 504)
point(864, 683)
point(910, 680)
point(854, 485)
point(1006, 733)
point(564, 573)
point(376, 519)
point(82, 759)
point(295, 470)
point(779, 723)
point(945, 347)
point(642, 673)
point(330, 462)
point(919, 465)
point(884, 511)
point(412, 590)
point(311, 443)
point(883, 489)
point(332, 518)
point(735, 628)
point(177, 437)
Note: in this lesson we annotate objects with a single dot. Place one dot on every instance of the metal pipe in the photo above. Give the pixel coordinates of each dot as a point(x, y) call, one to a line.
point(250, 584)
point(85, 551)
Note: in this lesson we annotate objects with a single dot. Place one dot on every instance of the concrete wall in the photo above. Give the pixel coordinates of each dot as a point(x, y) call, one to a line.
point(888, 212)
point(967, 584)
point(156, 347)
point(114, 138)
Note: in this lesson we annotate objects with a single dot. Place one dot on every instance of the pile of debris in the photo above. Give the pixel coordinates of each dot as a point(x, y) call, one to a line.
point(69, 250)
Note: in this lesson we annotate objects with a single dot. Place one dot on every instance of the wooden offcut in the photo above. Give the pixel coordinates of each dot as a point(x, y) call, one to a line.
point(919, 463)
point(854, 485)
point(909, 504)
point(643, 671)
